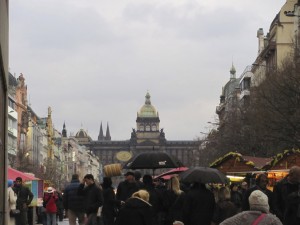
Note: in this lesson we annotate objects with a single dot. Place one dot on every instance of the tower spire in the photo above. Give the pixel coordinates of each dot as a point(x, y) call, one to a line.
point(107, 136)
point(232, 72)
point(100, 136)
point(64, 131)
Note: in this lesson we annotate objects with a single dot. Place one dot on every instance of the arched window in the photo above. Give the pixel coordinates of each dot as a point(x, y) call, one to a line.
point(141, 127)
point(148, 128)
point(153, 127)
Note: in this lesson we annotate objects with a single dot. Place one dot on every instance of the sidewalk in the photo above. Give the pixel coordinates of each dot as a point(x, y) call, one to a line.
point(65, 222)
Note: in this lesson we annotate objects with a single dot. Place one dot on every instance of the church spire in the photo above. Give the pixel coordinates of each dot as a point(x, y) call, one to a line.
point(100, 136)
point(232, 72)
point(107, 136)
point(64, 131)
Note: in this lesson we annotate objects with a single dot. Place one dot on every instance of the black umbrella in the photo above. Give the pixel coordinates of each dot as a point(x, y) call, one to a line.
point(152, 160)
point(203, 175)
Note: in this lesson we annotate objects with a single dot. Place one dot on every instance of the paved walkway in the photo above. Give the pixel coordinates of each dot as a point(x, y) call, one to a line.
point(65, 222)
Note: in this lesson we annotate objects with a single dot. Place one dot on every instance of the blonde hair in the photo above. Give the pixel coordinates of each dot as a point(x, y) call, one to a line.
point(141, 194)
point(174, 185)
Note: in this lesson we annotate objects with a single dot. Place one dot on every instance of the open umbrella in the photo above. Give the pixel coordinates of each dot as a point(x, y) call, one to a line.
point(152, 160)
point(203, 175)
point(167, 175)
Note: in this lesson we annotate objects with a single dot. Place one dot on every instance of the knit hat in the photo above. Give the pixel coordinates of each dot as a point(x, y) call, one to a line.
point(259, 201)
point(9, 183)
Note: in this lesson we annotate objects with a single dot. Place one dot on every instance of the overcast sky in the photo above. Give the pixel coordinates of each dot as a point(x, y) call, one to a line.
point(95, 60)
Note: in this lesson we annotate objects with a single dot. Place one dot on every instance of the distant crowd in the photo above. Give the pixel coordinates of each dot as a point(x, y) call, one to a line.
point(140, 200)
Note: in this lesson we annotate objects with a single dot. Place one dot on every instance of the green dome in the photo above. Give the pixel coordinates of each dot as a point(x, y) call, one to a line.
point(147, 110)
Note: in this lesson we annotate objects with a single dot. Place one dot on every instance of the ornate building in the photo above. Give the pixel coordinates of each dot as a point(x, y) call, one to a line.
point(147, 136)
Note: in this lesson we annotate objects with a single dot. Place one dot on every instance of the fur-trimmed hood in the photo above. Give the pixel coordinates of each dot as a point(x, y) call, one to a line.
point(136, 202)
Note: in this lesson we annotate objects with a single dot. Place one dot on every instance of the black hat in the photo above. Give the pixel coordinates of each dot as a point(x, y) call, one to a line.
point(129, 173)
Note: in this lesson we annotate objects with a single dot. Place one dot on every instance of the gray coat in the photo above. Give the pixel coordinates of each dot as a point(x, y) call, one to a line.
point(248, 217)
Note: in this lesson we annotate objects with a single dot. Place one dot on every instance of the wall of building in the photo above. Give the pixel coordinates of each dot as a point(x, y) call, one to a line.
point(3, 105)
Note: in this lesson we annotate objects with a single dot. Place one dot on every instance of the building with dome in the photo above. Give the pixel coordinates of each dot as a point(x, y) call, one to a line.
point(147, 136)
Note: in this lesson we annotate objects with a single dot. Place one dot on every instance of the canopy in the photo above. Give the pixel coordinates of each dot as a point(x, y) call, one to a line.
point(12, 174)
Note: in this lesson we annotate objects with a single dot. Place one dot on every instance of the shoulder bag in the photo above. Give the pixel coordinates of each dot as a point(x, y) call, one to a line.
point(259, 219)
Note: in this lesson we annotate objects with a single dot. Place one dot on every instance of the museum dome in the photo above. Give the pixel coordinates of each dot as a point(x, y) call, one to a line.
point(81, 134)
point(147, 110)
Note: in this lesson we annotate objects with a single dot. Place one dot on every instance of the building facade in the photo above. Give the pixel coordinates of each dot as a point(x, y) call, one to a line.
point(147, 136)
point(3, 104)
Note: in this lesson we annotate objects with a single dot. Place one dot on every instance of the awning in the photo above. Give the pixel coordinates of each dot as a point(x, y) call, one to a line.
point(12, 174)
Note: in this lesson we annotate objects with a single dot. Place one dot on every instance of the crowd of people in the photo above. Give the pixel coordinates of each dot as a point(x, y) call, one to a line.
point(140, 200)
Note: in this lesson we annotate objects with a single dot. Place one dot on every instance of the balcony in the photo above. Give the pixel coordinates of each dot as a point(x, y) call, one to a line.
point(244, 93)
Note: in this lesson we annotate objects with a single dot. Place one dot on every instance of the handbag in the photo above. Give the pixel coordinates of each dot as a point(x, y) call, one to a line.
point(14, 212)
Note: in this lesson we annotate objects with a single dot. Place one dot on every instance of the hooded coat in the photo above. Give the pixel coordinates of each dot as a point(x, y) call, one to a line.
point(136, 211)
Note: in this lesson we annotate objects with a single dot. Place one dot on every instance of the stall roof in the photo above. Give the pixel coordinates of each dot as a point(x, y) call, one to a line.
point(13, 174)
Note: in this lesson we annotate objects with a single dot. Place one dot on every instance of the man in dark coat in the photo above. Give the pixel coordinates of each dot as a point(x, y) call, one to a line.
point(127, 188)
point(261, 184)
point(93, 198)
point(24, 198)
point(73, 203)
point(155, 198)
point(198, 206)
point(287, 198)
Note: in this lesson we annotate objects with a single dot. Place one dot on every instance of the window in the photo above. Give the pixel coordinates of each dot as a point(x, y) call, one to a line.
point(153, 127)
point(141, 127)
point(148, 128)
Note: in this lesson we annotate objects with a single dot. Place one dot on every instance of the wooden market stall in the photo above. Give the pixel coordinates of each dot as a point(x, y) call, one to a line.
point(238, 167)
point(279, 166)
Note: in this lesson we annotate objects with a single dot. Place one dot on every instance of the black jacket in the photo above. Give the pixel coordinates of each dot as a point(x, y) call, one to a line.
point(71, 199)
point(125, 190)
point(93, 198)
point(173, 206)
point(267, 192)
point(135, 212)
point(286, 202)
point(24, 195)
point(198, 206)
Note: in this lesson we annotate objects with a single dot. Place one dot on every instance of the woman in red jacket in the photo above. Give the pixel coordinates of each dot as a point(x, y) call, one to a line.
point(49, 200)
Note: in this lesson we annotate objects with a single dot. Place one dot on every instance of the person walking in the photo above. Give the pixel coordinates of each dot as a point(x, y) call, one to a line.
point(224, 207)
point(50, 199)
point(73, 203)
point(287, 197)
point(258, 213)
point(199, 205)
point(93, 198)
point(136, 210)
point(110, 203)
point(173, 199)
point(24, 198)
point(12, 199)
point(261, 184)
point(155, 199)
point(236, 196)
point(127, 187)
point(60, 206)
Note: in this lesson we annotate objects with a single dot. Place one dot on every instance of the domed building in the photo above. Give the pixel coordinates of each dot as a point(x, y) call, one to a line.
point(82, 137)
point(147, 136)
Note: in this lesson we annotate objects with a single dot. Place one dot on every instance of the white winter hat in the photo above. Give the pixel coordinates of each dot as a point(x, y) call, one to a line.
point(259, 201)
